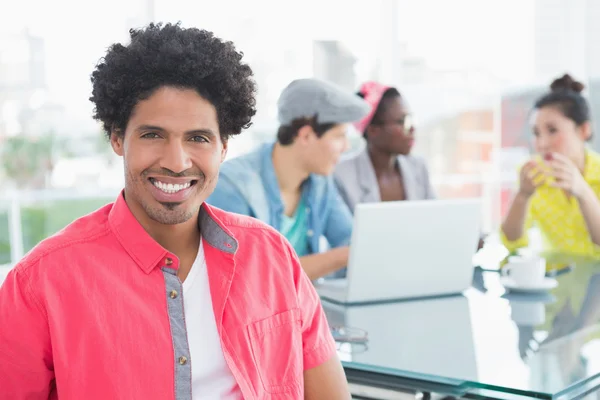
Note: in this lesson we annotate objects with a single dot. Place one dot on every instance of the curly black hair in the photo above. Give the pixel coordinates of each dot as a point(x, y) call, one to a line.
point(170, 55)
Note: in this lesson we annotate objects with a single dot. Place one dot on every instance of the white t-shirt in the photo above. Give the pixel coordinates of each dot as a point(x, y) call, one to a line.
point(211, 377)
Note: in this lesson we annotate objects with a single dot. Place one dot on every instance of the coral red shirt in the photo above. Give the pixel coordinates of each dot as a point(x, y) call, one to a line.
point(96, 312)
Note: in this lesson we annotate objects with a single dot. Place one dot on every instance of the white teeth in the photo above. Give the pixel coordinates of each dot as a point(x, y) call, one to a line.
point(170, 187)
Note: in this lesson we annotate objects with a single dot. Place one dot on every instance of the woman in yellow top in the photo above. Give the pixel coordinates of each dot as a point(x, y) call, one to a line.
point(560, 186)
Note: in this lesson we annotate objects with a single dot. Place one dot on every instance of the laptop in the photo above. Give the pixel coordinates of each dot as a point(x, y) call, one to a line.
point(408, 249)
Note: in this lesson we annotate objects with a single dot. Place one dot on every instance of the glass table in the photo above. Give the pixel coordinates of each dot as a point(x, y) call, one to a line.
point(484, 343)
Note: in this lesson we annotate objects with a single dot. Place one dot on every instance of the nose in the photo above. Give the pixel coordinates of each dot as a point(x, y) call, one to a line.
point(175, 157)
point(541, 143)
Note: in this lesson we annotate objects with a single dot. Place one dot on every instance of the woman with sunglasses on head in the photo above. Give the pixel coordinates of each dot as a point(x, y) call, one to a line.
point(384, 170)
point(559, 187)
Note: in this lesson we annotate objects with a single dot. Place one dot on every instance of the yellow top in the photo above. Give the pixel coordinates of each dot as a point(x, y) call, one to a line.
point(559, 218)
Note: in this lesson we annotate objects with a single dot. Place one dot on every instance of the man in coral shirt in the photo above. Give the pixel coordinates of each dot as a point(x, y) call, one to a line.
point(159, 295)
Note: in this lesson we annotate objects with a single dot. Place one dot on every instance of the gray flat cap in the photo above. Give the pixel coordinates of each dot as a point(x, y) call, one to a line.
point(306, 98)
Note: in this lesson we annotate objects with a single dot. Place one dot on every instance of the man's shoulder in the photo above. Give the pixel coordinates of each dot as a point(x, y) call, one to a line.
point(244, 165)
point(240, 186)
point(70, 241)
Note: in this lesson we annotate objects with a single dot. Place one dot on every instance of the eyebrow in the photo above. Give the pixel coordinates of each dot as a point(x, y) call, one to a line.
point(208, 132)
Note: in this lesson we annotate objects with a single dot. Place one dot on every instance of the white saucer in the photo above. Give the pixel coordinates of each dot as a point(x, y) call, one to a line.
point(543, 286)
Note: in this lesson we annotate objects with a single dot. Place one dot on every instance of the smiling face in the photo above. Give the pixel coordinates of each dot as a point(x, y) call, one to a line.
point(172, 151)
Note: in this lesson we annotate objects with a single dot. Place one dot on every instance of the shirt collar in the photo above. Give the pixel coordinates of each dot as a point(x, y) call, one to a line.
point(149, 254)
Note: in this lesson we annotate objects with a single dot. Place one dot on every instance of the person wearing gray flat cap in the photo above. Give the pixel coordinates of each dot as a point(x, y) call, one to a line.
point(289, 185)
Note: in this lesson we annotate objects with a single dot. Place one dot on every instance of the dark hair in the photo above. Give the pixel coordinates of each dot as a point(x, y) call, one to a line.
point(287, 133)
point(170, 55)
point(389, 94)
point(565, 95)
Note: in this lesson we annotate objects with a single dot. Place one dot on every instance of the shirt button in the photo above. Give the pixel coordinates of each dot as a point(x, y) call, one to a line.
point(308, 210)
point(182, 360)
point(169, 261)
point(309, 233)
point(173, 294)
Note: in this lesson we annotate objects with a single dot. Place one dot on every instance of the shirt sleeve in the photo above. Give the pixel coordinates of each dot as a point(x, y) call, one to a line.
point(26, 370)
point(338, 226)
point(318, 345)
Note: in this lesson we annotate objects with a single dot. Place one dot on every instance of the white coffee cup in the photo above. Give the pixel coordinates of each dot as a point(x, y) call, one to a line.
point(525, 271)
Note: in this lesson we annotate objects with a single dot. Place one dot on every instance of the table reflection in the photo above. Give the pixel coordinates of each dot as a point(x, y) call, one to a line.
point(535, 344)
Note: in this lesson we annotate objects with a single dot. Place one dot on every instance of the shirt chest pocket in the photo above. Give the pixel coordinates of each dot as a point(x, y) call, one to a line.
point(276, 344)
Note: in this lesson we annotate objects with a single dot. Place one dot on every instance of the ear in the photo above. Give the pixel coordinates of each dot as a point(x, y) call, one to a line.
point(585, 131)
point(305, 134)
point(372, 131)
point(116, 141)
point(224, 149)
